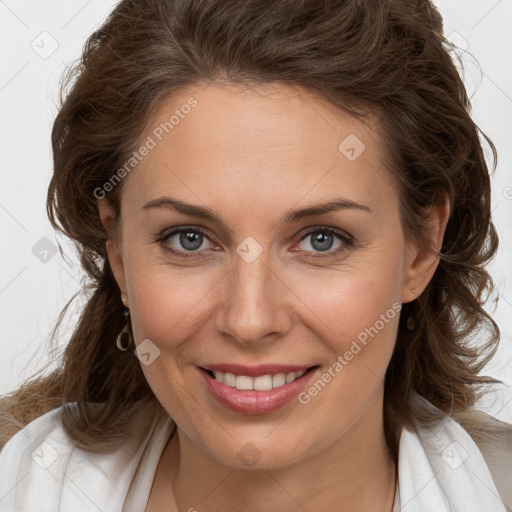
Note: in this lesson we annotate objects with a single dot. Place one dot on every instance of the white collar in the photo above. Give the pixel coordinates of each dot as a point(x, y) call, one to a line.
point(441, 468)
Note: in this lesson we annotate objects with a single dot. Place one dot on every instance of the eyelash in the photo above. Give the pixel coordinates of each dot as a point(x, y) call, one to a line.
point(346, 239)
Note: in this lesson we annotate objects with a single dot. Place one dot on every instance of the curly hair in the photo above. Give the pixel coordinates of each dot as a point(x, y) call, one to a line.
point(388, 58)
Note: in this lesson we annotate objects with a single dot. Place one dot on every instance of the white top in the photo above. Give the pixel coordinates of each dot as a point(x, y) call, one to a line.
point(41, 470)
point(440, 469)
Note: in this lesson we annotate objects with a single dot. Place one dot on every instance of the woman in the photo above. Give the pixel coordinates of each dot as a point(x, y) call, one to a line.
point(284, 210)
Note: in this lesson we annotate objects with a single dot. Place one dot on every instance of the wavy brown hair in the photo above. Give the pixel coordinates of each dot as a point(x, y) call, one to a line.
point(384, 58)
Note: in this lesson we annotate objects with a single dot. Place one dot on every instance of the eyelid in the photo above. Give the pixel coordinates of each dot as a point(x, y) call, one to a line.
point(168, 232)
point(314, 229)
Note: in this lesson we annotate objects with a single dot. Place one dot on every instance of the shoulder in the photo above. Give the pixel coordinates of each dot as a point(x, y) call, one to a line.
point(36, 443)
point(32, 458)
point(41, 469)
point(464, 439)
point(494, 440)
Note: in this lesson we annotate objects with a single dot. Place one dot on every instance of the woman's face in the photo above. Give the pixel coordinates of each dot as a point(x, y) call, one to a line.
point(291, 258)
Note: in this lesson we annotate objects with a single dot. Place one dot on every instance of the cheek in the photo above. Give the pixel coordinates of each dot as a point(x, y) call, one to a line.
point(167, 303)
point(350, 301)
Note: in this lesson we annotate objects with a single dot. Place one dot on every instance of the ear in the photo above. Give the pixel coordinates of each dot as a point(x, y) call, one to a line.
point(113, 244)
point(421, 261)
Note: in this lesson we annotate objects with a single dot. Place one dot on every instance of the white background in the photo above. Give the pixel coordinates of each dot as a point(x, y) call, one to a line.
point(33, 292)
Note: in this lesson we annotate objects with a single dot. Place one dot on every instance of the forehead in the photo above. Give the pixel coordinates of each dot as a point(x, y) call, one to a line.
point(230, 144)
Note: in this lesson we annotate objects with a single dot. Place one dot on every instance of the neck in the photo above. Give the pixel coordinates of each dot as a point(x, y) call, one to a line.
point(356, 473)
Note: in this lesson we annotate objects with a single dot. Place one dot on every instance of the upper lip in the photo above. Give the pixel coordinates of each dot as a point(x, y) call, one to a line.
point(256, 370)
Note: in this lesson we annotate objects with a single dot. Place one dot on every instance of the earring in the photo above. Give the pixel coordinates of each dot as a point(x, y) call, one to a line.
point(410, 323)
point(124, 334)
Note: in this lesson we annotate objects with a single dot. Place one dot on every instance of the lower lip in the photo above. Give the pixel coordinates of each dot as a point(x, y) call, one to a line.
point(255, 402)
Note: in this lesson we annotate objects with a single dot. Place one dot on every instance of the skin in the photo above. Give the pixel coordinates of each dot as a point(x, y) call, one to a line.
point(252, 156)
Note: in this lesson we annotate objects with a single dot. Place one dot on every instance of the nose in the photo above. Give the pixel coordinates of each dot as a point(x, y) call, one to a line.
point(255, 308)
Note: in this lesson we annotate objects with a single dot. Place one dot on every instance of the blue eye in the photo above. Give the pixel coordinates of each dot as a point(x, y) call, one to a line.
point(187, 240)
point(325, 240)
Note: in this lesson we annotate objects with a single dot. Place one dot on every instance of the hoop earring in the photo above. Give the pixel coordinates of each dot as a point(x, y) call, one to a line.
point(124, 334)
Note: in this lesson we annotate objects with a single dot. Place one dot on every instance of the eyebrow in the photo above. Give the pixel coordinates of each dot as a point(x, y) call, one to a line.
point(204, 213)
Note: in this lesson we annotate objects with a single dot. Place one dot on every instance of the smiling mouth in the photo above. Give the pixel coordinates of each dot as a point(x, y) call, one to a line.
point(261, 383)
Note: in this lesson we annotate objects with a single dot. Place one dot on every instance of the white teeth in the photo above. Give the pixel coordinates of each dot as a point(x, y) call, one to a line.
point(290, 377)
point(262, 383)
point(278, 380)
point(244, 383)
point(229, 379)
